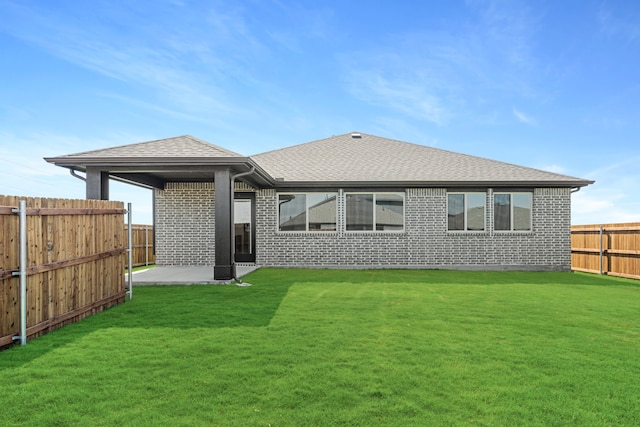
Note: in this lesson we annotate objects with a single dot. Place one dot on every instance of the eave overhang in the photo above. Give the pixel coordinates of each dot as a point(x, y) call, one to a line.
point(154, 172)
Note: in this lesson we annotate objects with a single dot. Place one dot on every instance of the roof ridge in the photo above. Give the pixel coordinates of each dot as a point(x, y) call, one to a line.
point(206, 143)
point(295, 145)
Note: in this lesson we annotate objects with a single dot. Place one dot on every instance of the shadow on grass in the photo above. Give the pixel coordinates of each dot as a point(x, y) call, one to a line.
point(203, 306)
point(176, 307)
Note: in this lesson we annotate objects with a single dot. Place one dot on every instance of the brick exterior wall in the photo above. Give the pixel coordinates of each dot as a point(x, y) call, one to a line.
point(184, 235)
point(184, 224)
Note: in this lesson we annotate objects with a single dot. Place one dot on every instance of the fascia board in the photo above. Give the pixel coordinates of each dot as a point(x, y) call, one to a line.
point(137, 161)
point(429, 184)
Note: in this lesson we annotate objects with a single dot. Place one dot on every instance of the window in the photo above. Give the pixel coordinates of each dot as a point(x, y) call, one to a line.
point(307, 212)
point(374, 211)
point(466, 211)
point(512, 211)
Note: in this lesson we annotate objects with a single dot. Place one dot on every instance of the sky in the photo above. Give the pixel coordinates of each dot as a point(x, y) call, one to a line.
point(553, 85)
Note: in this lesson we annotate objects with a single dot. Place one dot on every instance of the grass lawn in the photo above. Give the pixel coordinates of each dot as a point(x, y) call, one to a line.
point(326, 347)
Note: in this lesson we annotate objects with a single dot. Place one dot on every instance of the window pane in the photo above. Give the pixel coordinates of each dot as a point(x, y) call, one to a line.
point(322, 211)
point(455, 212)
point(242, 225)
point(522, 211)
point(475, 211)
point(389, 212)
point(359, 212)
point(293, 212)
point(502, 211)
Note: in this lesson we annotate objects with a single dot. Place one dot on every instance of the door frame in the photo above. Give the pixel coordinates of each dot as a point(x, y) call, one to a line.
point(251, 257)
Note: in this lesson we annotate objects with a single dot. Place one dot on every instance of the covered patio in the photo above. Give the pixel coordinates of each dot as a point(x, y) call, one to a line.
point(181, 275)
point(181, 159)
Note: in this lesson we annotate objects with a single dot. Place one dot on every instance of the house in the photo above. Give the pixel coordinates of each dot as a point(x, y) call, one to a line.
point(348, 201)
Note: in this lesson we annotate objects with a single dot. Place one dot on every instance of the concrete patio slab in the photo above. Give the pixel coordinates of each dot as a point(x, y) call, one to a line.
point(185, 275)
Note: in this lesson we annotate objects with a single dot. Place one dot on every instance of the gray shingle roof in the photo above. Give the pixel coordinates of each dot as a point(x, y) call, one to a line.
point(344, 158)
point(337, 161)
point(180, 146)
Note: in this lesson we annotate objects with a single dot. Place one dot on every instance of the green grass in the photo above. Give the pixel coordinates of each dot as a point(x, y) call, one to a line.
point(322, 347)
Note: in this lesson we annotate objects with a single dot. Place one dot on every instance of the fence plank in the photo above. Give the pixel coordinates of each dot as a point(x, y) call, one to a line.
point(142, 248)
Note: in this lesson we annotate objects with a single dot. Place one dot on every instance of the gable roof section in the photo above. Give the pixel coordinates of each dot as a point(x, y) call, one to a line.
point(358, 158)
point(185, 146)
point(154, 163)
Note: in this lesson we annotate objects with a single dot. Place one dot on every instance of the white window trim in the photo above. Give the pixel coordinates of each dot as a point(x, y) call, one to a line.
point(512, 217)
point(465, 212)
point(306, 230)
point(404, 207)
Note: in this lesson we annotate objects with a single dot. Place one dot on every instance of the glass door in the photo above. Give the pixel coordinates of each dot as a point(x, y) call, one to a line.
point(244, 229)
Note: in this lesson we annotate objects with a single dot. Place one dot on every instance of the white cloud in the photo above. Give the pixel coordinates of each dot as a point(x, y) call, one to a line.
point(613, 198)
point(409, 96)
point(600, 207)
point(626, 26)
point(24, 172)
point(148, 54)
point(524, 118)
point(438, 75)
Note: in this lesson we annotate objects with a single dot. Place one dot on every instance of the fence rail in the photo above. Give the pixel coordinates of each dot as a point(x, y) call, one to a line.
point(612, 249)
point(75, 262)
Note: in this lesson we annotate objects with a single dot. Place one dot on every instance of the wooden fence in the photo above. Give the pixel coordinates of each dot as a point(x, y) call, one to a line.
point(142, 248)
point(612, 249)
point(76, 253)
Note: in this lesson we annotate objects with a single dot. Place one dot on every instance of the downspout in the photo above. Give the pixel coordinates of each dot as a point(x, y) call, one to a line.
point(75, 174)
point(575, 190)
point(233, 247)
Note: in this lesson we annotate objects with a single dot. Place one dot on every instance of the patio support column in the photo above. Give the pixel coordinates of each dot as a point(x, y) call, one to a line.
point(97, 182)
point(223, 268)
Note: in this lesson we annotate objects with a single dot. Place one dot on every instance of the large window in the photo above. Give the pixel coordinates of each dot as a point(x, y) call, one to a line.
point(512, 211)
point(466, 211)
point(307, 212)
point(374, 211)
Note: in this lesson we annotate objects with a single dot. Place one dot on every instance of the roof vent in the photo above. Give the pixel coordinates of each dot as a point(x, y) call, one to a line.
point(356, 135)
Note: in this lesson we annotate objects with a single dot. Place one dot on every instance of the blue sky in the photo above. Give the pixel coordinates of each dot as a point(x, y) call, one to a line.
point(553, 85)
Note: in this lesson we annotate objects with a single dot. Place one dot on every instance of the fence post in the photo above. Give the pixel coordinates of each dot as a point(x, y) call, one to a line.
point(601, 251)
point(130, 250)
point(146, 245)
point(22, 210)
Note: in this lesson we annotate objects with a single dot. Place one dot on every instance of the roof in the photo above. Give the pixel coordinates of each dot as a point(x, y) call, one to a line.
point(154, 163)
point(348, 160)
point(358, 158)
point(184, 146)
